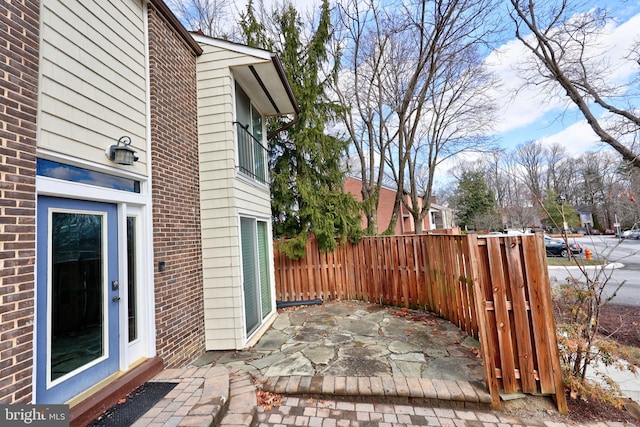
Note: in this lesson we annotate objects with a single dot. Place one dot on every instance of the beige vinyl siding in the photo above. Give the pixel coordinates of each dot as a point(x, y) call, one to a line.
point(253, 198)
point(224, 196)
point(92, 79)
point(220, 251)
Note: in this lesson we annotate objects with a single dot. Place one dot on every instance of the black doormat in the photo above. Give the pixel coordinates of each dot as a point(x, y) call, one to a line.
point(134, 406)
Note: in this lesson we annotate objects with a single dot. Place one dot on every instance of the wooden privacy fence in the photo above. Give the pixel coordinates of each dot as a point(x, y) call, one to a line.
point(494, 288)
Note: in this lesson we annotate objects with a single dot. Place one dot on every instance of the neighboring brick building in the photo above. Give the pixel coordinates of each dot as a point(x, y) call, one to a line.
point(439, 217)
point(112, 157)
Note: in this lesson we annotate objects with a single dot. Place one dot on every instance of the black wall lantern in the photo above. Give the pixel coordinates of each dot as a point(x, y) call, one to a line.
point(121, 153)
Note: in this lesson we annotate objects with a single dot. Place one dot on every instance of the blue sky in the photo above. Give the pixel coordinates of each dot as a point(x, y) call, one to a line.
point(535, 115)
point(529, 114)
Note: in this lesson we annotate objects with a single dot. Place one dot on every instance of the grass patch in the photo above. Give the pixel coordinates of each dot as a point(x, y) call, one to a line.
point(564, 262)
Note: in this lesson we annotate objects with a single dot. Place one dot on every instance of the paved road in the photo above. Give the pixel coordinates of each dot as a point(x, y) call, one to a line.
point(625, 252)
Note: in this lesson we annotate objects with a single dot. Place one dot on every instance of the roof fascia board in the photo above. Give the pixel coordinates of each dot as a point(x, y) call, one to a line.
point(236, 47)
point(177, 26)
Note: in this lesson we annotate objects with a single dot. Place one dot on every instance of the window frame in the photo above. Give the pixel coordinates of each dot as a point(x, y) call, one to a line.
point(252, 151)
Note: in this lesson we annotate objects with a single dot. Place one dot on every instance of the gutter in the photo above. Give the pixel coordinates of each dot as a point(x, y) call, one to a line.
point(287, 87)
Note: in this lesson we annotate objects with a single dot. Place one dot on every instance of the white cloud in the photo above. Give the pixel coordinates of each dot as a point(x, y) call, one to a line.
point(519, 105)
point(617, 44)
point(522, 105)
point(577, 138)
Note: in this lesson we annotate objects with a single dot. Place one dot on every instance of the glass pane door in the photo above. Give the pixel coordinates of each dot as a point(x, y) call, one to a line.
point(132, 275)
point(263, 266)
point(77, 271)
point(250, 276)
point(77, 297)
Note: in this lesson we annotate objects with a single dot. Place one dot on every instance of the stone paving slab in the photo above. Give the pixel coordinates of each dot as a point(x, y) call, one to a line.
point(352, 338)
point(341, 364)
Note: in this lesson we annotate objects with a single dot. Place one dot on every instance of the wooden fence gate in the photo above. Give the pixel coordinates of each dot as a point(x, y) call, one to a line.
point(495, 288)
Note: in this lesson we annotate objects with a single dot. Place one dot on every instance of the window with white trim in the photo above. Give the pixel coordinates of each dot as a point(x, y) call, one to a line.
point(252, 149)
point(254, 236)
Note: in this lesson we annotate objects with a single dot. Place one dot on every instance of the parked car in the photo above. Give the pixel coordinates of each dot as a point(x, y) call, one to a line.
point(588, 231)
point(609, 232)
point(631, 233)
point(558, 247)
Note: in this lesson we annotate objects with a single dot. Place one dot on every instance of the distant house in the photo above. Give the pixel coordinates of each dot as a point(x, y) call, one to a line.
point(134, 209)
point(586, 217)
point(439, 217)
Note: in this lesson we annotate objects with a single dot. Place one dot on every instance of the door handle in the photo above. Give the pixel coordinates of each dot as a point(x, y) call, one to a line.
point(115, 299)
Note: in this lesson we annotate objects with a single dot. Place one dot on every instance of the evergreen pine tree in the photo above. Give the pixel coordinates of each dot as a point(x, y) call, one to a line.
point(474, 202)
point(305, 162)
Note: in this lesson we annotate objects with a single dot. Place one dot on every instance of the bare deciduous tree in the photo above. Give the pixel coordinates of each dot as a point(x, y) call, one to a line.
point(563, 44)
point(212, 17)
point(597, 181)
point(454, 119)
point(413, 91)
point(361, 91)
point(531, 156)
point(557, 161)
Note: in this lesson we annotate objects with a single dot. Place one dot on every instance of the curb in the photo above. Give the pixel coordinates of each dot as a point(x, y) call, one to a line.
point(215, 396)
point(612, 265)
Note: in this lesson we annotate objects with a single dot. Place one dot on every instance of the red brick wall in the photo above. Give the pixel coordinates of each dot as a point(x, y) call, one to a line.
point(19, 29)
point(385, 204)
point(404, 225)
point(176, 195)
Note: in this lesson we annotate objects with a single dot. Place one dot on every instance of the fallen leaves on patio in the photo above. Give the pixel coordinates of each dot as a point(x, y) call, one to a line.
point(267, 399)
point(426, 318)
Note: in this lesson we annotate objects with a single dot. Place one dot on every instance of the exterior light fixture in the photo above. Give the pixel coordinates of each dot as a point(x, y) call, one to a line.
point(121, 153)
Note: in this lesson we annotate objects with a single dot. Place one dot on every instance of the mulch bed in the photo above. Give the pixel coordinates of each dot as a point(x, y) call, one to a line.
point(623, 324)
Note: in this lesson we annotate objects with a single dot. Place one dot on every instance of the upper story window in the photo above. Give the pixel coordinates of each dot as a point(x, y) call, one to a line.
point(252, 151)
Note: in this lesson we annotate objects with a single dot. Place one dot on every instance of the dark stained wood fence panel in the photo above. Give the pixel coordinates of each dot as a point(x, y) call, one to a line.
point(494, 288)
